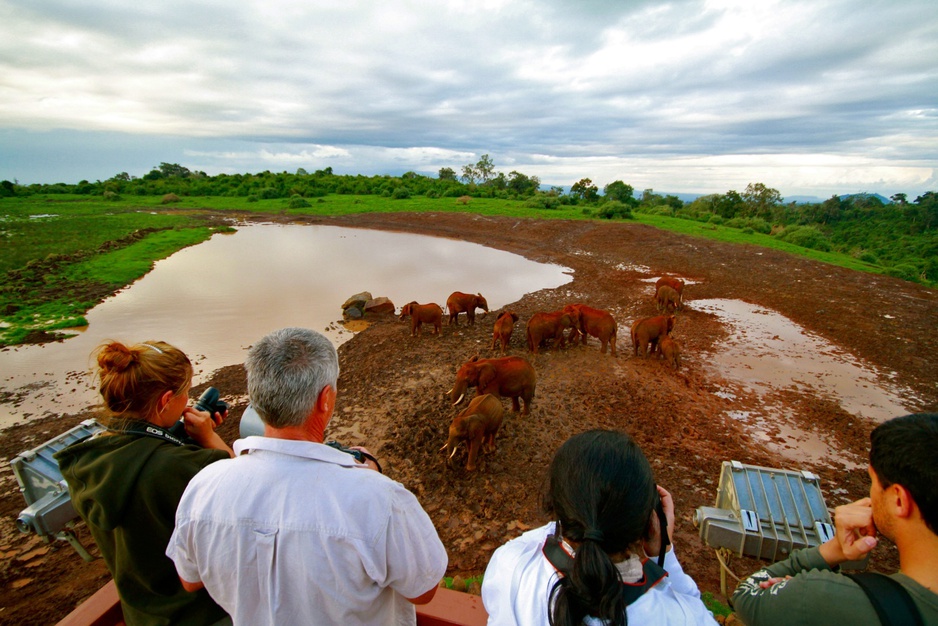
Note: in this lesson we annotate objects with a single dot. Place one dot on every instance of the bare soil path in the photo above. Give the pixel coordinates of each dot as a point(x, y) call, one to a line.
point(391, 387)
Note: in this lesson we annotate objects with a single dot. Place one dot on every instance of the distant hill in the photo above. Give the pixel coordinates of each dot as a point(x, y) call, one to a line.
point(803, 199)
point(864, 194)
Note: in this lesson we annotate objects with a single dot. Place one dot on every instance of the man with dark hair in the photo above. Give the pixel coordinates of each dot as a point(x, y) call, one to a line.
point(292, 531)
point(806, 588)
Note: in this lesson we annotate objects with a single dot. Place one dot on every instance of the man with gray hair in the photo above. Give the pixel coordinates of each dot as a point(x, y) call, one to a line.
point(292, 531)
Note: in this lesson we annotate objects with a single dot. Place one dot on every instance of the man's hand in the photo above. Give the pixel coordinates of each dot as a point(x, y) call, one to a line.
point(855, 535)
point(652, 545)
point(369, 463)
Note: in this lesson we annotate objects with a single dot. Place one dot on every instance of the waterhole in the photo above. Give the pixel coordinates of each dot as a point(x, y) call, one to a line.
point(766, 351)
point(214, 299)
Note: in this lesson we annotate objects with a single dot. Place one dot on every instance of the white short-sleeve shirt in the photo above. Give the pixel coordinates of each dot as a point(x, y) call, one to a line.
point(296, 532)
point(517, 583)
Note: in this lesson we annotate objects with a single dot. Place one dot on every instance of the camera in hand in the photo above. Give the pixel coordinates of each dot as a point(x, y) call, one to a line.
point(209, 401)
point(359, 456)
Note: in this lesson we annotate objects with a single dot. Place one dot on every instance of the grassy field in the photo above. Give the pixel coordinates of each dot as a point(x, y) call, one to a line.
point(62, 253)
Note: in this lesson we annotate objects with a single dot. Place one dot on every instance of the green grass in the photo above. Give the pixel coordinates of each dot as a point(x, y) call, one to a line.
point(126, 265)
point(74, 224)
point(713, 605)
point(736, 236)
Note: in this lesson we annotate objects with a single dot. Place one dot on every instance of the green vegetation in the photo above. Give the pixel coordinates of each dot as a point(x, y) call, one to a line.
point(66, 246)
point(715, 606)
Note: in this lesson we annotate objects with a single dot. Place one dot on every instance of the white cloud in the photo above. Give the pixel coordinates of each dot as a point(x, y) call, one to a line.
point(639, 88)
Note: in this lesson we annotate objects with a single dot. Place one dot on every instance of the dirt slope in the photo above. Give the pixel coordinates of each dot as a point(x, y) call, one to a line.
point(390, 396)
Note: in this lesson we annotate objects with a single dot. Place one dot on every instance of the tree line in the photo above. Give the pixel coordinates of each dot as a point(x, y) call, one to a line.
point(900, 236)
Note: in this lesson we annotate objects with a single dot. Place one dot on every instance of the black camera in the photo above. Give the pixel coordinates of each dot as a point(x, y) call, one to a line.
point(209, 401)
point(359, 456)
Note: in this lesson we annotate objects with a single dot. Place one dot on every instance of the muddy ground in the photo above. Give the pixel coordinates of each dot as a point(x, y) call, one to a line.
point(390, 392)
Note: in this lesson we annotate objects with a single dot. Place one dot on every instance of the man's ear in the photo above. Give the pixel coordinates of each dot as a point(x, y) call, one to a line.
point(902, 500)
point(326, 400)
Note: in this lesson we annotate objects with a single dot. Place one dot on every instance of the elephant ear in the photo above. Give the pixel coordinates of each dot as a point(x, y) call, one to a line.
point(486, 375)
point(474, 427)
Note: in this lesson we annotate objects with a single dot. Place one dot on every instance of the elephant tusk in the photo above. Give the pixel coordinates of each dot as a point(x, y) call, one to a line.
point(443, 448)
point(458, 400)
point(453, 454)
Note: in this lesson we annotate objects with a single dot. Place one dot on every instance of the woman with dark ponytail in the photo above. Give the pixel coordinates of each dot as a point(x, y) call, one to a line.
point(126, 482)
point(596, 564)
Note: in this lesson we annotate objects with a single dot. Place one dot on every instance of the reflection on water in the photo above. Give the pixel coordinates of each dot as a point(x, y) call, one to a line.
point(214, 299)
point(767, 351)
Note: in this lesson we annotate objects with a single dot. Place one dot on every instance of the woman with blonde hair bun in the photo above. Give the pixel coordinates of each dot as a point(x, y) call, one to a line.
point(126, 482)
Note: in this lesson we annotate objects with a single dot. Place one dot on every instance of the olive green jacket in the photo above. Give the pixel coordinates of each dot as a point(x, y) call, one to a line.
point(127, 487)
point(816, 595)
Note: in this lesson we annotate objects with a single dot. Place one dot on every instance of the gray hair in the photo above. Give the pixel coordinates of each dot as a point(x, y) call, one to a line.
point(287, 370)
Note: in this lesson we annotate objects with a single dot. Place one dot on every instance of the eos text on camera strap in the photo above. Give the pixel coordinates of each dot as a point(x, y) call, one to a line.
point(136, 427)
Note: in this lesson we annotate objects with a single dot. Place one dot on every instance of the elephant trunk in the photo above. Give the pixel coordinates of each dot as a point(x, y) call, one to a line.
point(457, 393)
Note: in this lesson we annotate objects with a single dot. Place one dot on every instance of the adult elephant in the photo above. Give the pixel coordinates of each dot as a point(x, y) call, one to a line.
point(646, 333)
point(543, 326)
point(595, 322)
point(467, 303)
point(508, 377)
point(421, 314)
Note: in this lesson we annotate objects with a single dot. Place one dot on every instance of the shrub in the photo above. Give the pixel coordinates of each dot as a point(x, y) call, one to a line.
point(754, 224)
point(806, 237)
point(252, 198)
point(433, 194)
point(463, 200)
point(269, 193)
point(168, 198)
point(400, 193)
point(905, 271)
point(111, 195)
point(716, 219)
point(542, 201)
point(865, 255)
point(298, 202)
point(614, 209)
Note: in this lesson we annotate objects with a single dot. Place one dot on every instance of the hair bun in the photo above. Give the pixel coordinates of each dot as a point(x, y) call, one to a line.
point(116, 357)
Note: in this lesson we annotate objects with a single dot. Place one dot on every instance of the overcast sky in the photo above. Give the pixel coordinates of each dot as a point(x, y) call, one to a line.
point(810, 97)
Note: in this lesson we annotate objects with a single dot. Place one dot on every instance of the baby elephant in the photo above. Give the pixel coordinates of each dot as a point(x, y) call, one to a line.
point(423, 314)
point(477, 424)
point(504, 326)
point(668, 299)
point(671, 351)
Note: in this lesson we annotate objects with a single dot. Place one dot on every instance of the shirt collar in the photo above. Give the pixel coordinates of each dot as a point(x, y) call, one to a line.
point(293, 447)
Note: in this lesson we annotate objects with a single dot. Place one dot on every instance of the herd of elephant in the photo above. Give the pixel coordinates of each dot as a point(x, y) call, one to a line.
point(513, 376)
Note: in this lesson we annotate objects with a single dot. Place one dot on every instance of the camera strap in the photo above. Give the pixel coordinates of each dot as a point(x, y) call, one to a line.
point(652, 573)
point(146, 429)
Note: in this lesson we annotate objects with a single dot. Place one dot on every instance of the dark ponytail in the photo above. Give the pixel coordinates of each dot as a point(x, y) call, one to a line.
point(602, 491)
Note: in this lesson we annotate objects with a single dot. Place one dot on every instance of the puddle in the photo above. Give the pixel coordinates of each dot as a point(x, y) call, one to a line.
point(766, 351)
point(214, 299)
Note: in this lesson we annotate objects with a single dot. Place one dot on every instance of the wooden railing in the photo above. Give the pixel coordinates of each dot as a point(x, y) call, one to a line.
point(448, 608)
